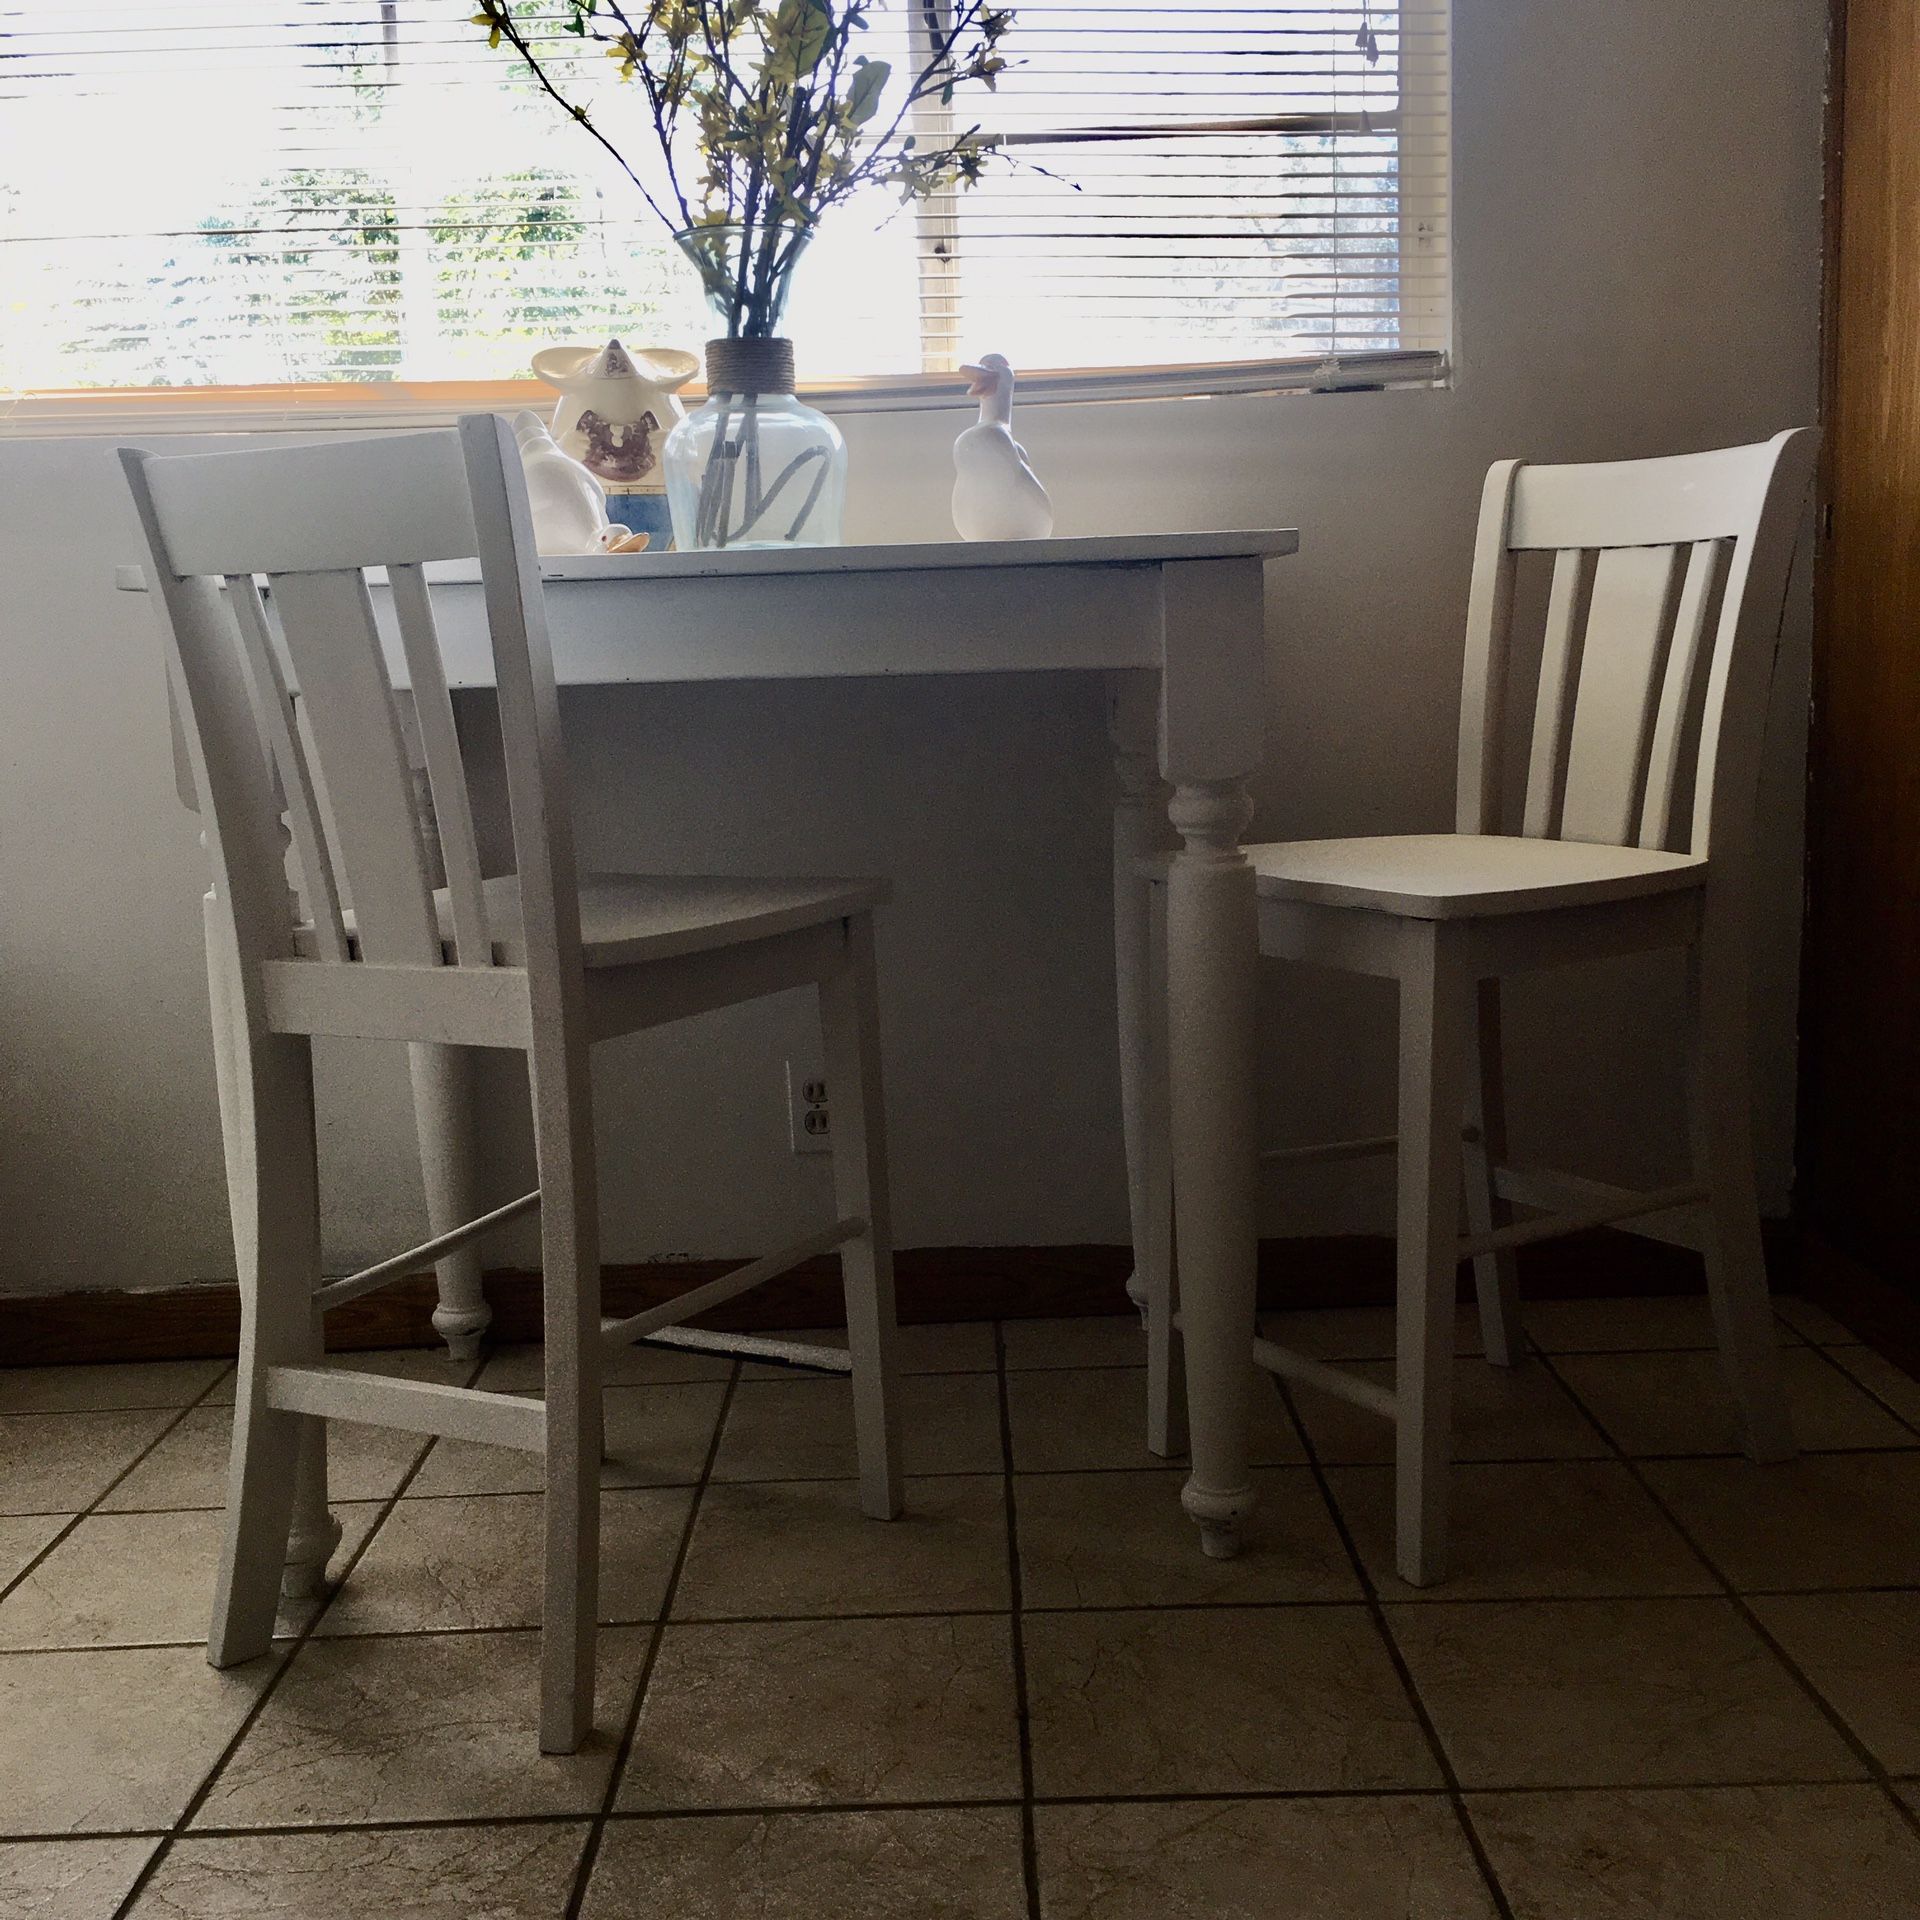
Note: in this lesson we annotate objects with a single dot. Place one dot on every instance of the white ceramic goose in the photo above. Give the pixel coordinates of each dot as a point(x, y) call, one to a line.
point(995, 493)
point(569, 504)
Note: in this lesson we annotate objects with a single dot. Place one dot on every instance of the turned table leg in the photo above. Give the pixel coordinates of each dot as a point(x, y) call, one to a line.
point(1212, 955)
point(444, 1120)
point(1212, 731)
point(443, 1108)
point(1131, 718)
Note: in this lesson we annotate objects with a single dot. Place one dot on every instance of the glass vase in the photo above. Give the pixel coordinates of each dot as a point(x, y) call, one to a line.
point(752, 466)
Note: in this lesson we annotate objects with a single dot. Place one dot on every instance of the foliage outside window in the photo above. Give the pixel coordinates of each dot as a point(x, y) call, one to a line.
point(213, 193)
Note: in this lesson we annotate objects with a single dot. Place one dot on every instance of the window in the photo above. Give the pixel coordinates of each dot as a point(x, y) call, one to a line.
point(333, 194)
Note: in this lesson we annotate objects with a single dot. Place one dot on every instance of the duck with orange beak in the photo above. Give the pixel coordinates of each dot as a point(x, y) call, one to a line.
point(996, 495)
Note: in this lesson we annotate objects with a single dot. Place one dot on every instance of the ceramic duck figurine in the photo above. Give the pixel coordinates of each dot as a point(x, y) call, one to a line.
point(569, 504)
point(995, 493)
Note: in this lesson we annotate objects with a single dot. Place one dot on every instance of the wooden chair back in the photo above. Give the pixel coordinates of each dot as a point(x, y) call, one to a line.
point(313, 520)
point(1669, 582)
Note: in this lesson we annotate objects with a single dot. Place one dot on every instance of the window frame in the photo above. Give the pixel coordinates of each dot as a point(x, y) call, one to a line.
point(1423, 206)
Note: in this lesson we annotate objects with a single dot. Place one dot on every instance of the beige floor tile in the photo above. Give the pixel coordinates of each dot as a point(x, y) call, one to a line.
point(1217, 1700)
point(803, 1547)
point(1562, 1529)
point(1090, 1340)
point(1612, 1693)
point(1654, 1403)
point(803, 1429)
point(461, 1563)
point(128, 1579)
point(22, 1536)
point(1345, 1859)
point(1862, 1650)
point(419, 1727)
point(1499, 1413)
point(954, 1865)
point(1123, 1540)
point(114, 1741)
point(1095, 1418)
point(519, 1369)
point(1620, 1326)
point(956, 1346)
point(69, 1879)
point(1813, 1323)
point(1835, 1520)
point(99, 1389)
point(1779, 1853)
point(801, 1712)
point(656, 1437)
point(1894, 1388)
point(420, 1873)
point(61, 1462)
point(188, 1468)
point(1356, 1333)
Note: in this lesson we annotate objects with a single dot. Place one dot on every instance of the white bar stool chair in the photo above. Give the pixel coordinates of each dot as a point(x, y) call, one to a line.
point(537, 960)
point(1669, 578)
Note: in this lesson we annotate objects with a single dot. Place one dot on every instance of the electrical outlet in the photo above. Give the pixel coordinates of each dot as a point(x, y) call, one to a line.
point(809, 1117)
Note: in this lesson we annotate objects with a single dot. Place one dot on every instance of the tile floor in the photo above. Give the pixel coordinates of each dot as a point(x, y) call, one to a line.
point(1661, 1684)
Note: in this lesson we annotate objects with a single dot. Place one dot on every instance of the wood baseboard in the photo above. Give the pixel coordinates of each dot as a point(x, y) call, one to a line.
point(933, 1284)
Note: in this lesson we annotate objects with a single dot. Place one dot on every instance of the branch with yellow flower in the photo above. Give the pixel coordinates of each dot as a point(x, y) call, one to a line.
point(766, 116)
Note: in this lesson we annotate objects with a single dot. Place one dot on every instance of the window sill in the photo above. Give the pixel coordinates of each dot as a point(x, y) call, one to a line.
point(340, 408)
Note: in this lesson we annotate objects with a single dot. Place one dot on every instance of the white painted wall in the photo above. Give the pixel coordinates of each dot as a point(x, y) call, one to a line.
point(1637, 233)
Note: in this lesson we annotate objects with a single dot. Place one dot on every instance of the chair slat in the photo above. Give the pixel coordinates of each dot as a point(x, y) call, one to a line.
point(342, 672)
point(1704, 563)
point(1483, 685)
point(1629, 622)
point(446, 770)
point(1573, 573)
point(274, 710)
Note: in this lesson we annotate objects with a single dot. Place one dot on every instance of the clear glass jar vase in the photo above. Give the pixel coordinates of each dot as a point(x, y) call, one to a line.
point(752, 466)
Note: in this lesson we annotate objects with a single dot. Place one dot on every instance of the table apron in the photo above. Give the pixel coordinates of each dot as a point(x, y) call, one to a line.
point(821, 626)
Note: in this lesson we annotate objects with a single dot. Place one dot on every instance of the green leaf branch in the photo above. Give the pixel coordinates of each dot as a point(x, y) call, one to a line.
point(766, 115)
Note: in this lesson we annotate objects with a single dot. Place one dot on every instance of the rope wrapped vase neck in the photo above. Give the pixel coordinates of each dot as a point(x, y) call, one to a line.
point(750, 366)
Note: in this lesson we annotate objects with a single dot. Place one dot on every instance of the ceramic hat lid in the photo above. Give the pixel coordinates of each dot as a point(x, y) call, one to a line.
point(657, 366)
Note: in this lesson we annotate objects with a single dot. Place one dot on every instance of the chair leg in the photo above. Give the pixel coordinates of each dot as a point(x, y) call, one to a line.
point(570, 1269)
point(266, 1101)
point(1719, 1104)
point(1154, 1257)
point(1436, 1015)
point(1495, 1275)
point(850, 1031)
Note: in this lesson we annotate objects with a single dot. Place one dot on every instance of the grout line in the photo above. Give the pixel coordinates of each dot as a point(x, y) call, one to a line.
point(1037, 1473)
point(198, 1798)
point(1308, 1604)
point(93, 1505)
point(1860, 1386)
point(590, 1852)
point(639, 1816)
point(1436, 1746)
point(1029, 1846)
point(1739, 1602)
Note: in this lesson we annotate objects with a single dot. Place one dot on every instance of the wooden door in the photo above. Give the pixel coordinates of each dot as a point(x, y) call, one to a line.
point(1859, 1148)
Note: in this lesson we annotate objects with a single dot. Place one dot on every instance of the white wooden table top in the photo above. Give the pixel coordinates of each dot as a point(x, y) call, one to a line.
point(1089, 550)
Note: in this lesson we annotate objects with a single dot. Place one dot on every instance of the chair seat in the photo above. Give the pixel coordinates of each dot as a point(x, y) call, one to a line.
point(630, 917)
point(1459, 876)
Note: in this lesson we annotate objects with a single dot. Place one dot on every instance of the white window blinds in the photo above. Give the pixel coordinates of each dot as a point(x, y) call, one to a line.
point(217, 193)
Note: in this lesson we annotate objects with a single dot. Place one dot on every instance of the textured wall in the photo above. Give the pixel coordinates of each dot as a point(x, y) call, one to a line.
point(1637, 232)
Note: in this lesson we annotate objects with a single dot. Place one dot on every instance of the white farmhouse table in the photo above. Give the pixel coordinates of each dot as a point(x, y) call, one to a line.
point(1175, 624)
